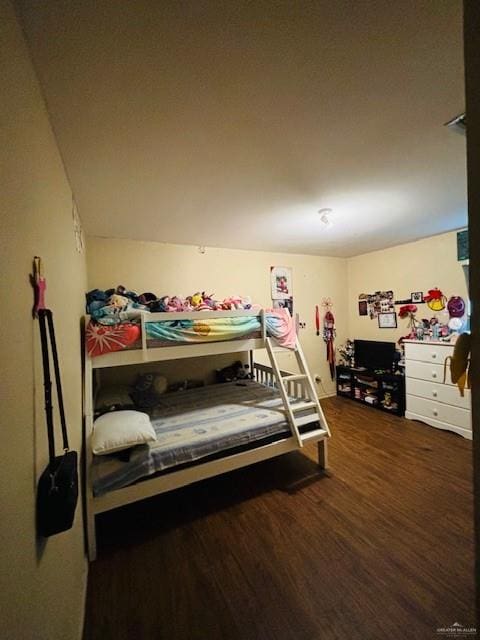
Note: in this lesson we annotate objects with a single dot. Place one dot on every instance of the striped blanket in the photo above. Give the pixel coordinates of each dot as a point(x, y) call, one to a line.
point(191, 425)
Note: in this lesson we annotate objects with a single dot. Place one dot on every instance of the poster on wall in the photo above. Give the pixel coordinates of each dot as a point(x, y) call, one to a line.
point(281, 285)
point(281, 280)
point(372, 304)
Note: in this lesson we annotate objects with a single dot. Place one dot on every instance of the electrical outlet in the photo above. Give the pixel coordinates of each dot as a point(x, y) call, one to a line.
point(318, 378)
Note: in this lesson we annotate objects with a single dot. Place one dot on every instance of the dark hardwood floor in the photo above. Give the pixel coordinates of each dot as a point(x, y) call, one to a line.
point(379, 547)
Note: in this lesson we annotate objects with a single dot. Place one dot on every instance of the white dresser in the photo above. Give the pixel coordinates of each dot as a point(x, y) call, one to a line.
point(428, 398)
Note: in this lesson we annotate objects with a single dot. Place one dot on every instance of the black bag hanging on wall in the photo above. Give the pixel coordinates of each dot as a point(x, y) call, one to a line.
point(57, 491)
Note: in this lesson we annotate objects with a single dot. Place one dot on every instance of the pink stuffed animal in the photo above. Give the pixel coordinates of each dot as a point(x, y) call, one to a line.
point(175, 304)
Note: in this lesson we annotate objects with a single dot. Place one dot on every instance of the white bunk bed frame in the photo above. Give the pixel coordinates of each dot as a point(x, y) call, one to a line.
point(300, 387)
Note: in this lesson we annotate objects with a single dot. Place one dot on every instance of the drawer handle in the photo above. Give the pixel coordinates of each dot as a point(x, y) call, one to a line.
point(435, 412)
point(434, 394)
point(434, 374)
point(434, 355)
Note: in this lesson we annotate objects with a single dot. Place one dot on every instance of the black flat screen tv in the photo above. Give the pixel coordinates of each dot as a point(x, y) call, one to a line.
point(373, 354)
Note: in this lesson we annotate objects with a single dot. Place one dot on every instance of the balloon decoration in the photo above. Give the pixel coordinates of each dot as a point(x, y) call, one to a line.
point(435, 299)
point(456, 307)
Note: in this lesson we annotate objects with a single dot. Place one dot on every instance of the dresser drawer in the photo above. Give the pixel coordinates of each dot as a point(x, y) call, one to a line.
point(439, 411)
point(428, 352)
point(426, 371)
point(445, 393)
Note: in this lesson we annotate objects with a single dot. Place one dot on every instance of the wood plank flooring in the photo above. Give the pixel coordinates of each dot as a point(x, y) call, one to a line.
point(379, 547)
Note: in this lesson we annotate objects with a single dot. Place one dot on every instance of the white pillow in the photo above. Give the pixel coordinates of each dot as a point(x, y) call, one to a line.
point(119, 430)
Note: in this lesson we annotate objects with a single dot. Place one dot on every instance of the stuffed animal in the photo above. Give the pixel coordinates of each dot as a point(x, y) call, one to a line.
point(148, 389)
point(117, 301)
point(235, 371)
point(196, 299)
point(176, 304)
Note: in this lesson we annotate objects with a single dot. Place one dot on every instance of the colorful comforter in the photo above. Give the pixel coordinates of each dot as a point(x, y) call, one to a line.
point(105, 339)
point(203, 330)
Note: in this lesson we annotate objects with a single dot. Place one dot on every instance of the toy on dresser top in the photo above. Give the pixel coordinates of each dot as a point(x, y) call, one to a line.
point(449, 321)
point(121, 305)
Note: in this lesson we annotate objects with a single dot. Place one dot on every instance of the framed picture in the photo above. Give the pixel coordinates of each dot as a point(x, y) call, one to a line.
point(417, 297)
point(387, 320)
point(284, 304)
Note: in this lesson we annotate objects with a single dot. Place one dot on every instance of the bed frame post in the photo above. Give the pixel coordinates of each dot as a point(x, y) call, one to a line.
point(90, 535)
point(323, 453)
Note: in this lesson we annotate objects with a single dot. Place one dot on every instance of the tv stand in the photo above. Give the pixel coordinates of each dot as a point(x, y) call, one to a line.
point(380, 389)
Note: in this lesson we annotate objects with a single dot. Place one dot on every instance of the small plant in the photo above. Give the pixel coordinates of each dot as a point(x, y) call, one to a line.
point(347, 353)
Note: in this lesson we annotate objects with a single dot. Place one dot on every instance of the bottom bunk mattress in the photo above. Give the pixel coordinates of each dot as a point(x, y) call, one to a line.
point(195, 424)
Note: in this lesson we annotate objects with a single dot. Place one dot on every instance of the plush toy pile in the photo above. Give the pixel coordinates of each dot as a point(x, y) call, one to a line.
point(121, 305)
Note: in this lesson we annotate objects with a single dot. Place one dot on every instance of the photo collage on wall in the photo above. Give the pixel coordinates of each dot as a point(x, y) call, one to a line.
point(281, 284)
point(373, 304)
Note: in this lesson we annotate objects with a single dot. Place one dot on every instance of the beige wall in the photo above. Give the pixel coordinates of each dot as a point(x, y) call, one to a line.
point(417, 266)
point(181, 269)
point(41, 585)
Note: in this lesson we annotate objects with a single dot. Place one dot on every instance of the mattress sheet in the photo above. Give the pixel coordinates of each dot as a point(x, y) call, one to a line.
point(193, 424)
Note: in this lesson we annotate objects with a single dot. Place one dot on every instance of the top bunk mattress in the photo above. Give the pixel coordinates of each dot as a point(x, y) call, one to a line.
point(191, 425)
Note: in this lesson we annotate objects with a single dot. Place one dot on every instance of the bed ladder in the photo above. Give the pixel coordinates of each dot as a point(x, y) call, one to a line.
point(311, 404)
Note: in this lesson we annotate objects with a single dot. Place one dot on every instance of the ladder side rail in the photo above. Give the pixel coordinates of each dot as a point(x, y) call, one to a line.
point(302, 362)
point(283, 393)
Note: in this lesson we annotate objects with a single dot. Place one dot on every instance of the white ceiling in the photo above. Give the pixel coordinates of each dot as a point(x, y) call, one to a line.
point(231, 123)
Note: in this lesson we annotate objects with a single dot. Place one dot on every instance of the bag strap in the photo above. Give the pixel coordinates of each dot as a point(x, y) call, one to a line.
point(45, 318)
point(47, 385)
point(58, 381)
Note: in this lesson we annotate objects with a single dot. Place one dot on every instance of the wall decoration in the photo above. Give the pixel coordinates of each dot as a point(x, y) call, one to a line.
point(329, 333)
point(408, 311)
point(435, 299)
point(387, 320)
point(281, 280)
point(362, 308)
point(281, 284)
point(456, 307)
point(378, 302)
point(417, 297)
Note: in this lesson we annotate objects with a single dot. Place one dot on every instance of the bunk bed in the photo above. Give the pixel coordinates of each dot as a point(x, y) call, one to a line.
point(242, 423)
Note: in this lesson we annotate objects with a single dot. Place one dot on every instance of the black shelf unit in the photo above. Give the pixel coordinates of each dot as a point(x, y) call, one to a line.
point(378, 389)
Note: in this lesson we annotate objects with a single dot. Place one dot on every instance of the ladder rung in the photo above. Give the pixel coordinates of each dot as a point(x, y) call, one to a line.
point(302, 406)
point(313, 417)
point(297, 376)
point(310, 435)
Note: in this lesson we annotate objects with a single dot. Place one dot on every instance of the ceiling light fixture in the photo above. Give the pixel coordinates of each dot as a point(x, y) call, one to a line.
point(325, 216)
